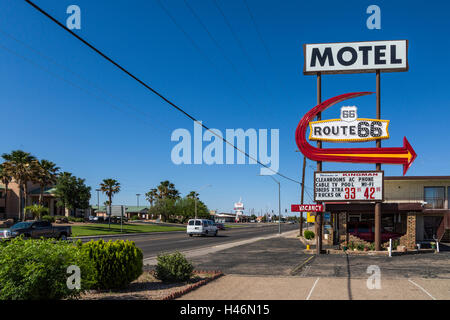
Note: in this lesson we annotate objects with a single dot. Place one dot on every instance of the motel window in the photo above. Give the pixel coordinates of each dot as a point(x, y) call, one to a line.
point(434, 197)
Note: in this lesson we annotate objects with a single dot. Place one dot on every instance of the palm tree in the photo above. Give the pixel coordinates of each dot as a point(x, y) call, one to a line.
point(166, 189)
point(19, 164)
point(46, 175)
point(37, 210)
point(5, 178)
point(110, 187)
point(151, 196)
point(193, 195)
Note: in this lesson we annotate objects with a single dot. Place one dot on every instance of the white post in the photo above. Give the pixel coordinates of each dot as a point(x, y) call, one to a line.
point(437, 246)
point(390, 247)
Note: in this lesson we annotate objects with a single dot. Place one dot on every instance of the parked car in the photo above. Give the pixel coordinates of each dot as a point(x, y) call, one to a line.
point(366, 232)
point(93, 218)
point(220, 226)
point(36, 230)
point(201, 227)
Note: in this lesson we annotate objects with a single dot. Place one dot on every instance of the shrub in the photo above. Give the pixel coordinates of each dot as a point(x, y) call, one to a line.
point(133, 218)
point(48, 218)
point(117, 263)
point(173, 268)
point(309, 234)
point(37, 269)
point(360, 247)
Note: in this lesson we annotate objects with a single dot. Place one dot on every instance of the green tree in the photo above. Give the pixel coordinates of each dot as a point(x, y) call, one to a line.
point(166, 189)
point(72, 192)
point(5, 178)
point(46, 174)
point(193, 195)
point(36, 210)
point(151, 196)
point(20, 165)
point(165, 208)
point(110, 187)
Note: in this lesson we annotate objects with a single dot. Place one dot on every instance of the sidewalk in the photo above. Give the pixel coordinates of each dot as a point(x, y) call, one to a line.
point(233, 287)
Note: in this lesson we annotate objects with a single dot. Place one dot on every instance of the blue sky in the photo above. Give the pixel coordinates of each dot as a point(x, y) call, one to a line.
point(62, 102)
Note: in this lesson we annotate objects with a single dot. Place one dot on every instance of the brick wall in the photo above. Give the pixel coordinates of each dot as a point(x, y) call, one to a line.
point(409, 239)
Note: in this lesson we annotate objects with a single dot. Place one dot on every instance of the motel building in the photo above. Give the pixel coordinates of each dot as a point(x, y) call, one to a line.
point(9, 201)
point(415, 212)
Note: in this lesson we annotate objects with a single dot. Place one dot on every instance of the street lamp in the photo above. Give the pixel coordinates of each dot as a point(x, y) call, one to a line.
point(195, 198)
point(137, 195)
point(279, 203)
point(98, 199)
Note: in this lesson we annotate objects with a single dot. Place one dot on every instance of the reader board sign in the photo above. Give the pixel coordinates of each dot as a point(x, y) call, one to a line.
point(115, 211)
point(356, 57)
point(357, 186)
point(306, 207)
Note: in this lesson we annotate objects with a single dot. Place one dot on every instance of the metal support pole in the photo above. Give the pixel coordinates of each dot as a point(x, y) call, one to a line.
point(378, 168)
point(319, 168)
point(279, 208)
point(303, 194)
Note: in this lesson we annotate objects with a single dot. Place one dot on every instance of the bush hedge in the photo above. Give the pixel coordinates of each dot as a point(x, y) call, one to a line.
point(309, 234)
point(48, 218)
point(116, 263)
point(37, 269)
point(173, 268)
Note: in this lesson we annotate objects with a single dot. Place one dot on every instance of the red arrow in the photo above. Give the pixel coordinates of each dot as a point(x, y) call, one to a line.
point(404, 155)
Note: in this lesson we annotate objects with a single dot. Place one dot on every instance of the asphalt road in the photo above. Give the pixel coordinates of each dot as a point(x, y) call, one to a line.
point(155, 243)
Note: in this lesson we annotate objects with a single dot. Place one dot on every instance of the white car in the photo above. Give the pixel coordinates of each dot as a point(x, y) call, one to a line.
point(201, 227)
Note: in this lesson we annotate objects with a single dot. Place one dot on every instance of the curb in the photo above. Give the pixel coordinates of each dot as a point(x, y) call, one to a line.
point(177, 294)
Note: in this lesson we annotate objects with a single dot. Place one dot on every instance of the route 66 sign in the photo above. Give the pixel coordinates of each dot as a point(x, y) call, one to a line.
point(349, 128)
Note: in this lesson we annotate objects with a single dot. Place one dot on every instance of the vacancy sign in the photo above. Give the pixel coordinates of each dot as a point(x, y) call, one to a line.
point(306, 207)
point(348, 186)
point(356, 57)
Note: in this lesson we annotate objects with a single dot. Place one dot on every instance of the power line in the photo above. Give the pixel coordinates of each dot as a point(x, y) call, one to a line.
point(90, 83)
point(197, 47)
point(238, 41)
point(37, 65)
point(153, 90)
point(216, 43)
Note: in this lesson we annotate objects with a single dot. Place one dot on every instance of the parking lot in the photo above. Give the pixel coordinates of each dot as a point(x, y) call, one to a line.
point(278, 269)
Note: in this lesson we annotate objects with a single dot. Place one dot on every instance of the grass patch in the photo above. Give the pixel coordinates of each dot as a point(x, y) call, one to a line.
point(95, 229)
point(234, 226)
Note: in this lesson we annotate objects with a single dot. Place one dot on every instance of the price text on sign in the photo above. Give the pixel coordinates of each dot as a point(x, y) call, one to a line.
point(306, 207)
point(348, 186)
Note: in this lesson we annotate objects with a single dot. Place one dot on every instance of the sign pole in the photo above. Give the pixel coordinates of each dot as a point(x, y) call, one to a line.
point(303, 194)
point(319, 168)
point(378, 168)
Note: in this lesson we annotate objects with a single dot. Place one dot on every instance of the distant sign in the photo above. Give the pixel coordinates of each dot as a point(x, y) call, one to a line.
point(306, 207)
point(356, 57)
point(348, 186)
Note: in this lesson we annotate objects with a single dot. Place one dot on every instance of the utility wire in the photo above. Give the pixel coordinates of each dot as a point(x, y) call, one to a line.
point(39, 66)
point(153, 90)
point(238, 41)
point(216, 43)
point(88, 82)
point(197, 47)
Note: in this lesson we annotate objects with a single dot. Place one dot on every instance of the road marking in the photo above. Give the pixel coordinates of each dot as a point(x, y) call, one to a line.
point(422, 289)
point(312, 289)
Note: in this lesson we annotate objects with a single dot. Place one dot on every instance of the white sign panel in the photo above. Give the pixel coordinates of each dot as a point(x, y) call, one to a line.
point(348, 186)
point(115, 211)
point(349, 128)
point(356, 57)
